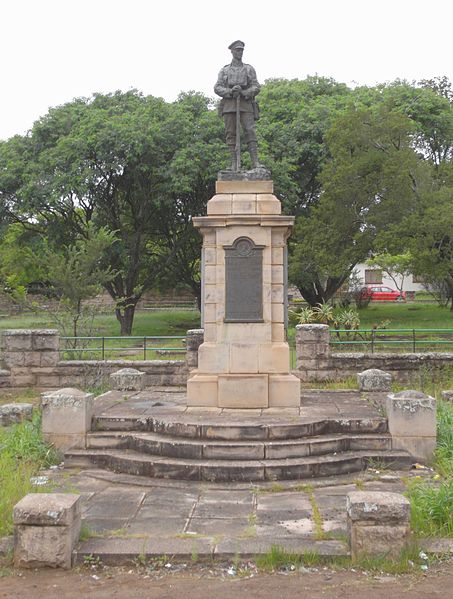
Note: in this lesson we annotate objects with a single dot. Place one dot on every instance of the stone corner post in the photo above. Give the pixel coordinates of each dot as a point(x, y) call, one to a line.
point(66, 417)
point(412, 423)
point(194, 338)
point(313, 351)
point(378, 523)
point(46, 530)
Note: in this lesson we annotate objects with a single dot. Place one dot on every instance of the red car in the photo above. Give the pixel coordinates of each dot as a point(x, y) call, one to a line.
point(382, 293)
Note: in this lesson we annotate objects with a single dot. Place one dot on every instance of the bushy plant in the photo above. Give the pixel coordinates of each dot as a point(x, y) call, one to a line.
point(431, 507)
point(22, 453)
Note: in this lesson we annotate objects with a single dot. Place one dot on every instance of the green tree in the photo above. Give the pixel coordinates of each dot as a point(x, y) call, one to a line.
point(396, 266)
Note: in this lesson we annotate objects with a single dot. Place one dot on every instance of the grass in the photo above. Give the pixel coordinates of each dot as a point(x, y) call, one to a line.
point(30, 395)
point(443, 460)
point(168, 322)
point(22, 454)
point(431, 507)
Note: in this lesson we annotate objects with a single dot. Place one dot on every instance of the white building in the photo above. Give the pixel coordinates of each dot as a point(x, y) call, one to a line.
point(369, 275)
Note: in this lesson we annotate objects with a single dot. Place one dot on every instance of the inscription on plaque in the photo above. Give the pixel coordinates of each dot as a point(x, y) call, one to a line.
point(244, 281)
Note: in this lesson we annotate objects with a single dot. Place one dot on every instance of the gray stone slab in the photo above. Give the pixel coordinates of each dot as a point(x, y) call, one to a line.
point(122, 550)
point(252, 547)
point(222, 510)
point(227, 496)
point(105, 525)
point(283, 502)
point(115, 503)
point(157, 527)
point(220, 527)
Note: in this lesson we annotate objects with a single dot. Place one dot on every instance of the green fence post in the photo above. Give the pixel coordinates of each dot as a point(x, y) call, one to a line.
point(144, 348)
point(103, 348)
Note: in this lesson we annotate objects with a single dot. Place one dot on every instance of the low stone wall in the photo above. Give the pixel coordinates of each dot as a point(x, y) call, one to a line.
point(31, 358)
point(316, 362)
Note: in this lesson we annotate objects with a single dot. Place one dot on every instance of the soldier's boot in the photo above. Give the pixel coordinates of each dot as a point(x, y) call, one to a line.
point(253, 151)
point(233, 158)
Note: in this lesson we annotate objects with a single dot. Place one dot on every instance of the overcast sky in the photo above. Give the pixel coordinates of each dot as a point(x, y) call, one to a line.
point(55, 50)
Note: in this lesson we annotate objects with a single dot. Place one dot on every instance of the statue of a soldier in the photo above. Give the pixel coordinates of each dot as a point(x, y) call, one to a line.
point(238, 86)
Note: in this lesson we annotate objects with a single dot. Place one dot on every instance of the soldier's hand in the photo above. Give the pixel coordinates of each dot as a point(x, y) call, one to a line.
point(236, 91)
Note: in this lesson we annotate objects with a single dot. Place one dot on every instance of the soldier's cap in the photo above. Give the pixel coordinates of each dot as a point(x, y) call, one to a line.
point(236, 44)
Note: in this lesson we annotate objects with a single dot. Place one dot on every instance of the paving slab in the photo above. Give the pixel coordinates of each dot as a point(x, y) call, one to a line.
point(155, 517)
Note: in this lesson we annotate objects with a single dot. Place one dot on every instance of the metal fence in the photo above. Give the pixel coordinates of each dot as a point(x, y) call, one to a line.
point(166, 347)
point(407, 340)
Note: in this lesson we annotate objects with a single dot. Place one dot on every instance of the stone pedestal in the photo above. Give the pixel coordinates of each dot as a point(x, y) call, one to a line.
point(46, 529)
point(244, 359)
point(66, 418)
point(378, 523)
point(412, 423)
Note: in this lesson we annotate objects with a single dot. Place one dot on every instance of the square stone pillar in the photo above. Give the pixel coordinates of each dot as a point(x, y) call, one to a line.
point(66, 417)
point(244, 359)
point(378, 523)
point(411, 419)
point(46, 529)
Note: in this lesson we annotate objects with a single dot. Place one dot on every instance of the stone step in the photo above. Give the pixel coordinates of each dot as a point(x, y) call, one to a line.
point(140, 464)
point(250, 429)
point(183, 447)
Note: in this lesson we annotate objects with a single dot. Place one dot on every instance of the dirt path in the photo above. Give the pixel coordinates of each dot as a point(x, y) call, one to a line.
point(201, 583)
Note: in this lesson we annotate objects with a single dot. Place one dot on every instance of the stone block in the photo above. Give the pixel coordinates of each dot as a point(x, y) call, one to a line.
point(411, 413)
point(244, 358)
point(420, 448)
point(277, 313)
point(46, 529)
point(202, 390)
point(374, 379)
point(194, 338)
point(243, 391)
point(210, 333)
point(48, 358)
point(65, 413)
point(210, 255)
point(378, 506)
point(12, 413)
point(378, 523)
point(284, 391)
point(220, 204)
point(237, 332)
point(274, 358)
point(32, 358)
point(46, 340)
point(278, 332)
point(277, 275)
point(17, 340)
point(210, 275)
point(213, 357)
point(47, 509)
point(447, 395)
point(244, 203)
point(312, 333)
point(277, 255)
point(210, 313)
point(127, 379)
point(389, 540)
point(4, 378)
point(277, 293)
point(268, 204)
point(244, 187)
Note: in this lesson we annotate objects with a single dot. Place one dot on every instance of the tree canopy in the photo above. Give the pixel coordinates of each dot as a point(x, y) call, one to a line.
point(364, 170)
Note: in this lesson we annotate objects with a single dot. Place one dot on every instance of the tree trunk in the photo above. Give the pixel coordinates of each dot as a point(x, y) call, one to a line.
point(125, 317)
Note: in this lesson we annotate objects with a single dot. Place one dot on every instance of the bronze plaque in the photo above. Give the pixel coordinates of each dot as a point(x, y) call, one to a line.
point(243, 281)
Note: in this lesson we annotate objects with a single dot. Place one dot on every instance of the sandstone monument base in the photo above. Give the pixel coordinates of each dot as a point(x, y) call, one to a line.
point(244, 360)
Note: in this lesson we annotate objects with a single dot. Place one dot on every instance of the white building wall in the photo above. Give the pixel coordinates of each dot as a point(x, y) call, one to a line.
point(408, 285)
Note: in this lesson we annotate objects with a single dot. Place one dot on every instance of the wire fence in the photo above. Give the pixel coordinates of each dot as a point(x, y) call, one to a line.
point(166, 347)
point(392, 340)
